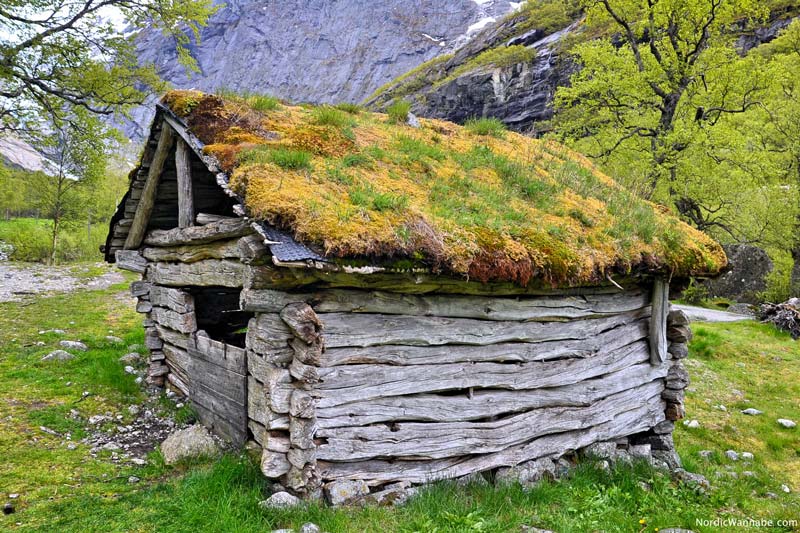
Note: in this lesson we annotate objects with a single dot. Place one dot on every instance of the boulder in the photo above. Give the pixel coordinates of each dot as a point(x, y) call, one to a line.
point(192, 442)
point(280, 500)
point(346, 491)
point(747, 277)
point(528, 473)
point(58, 355)
point(785, 422)
point(73, 345)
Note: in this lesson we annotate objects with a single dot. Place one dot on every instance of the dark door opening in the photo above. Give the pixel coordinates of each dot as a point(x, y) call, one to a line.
point(218, 314)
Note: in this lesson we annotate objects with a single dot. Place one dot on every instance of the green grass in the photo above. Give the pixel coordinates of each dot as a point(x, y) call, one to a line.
point(486, 126)
point(398, 111)
point(331, 116)
point(347, 107)
point(69, 491)
point(283, 157)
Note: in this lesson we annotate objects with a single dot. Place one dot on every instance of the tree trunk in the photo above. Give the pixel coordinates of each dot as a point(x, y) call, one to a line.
point(54, 241)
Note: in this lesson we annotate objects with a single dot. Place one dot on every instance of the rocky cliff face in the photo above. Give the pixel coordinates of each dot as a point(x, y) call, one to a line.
point(520, 93)
point(317, 50)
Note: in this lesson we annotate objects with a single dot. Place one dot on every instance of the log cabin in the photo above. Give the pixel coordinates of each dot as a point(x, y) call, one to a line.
point(377, 302)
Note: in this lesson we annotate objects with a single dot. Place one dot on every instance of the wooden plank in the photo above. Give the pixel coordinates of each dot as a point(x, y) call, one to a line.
point(183, 168)
point(146, 203)
point(231, 428)
point(175, 299)
point(231, 358)
point(181, 322)
point(502, 352)
point(191, 253)
point(178, 383)
point(130, 260)
point(343, 384)
point(527, 308)
point(375, 472)
point(224, 229)
point(272, 277)
point(268, 334)
point(361, 330)
point(205, 273)
point(227, 385)
point(432, 440)
point(178, 361)
point(658, 322)
point(206, 218)
point(484, 404)
point(176, 338)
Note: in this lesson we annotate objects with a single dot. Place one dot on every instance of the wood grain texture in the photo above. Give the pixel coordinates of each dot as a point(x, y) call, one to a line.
point(228, 228)
point(130, 260)
point(183, 167)
point(345, 384)
point(191, 253)
point(484, 404)
point(175, 299)
point(522, 308)
point(642, 416)
point(144, 209)
point(205, 273)
point(438, 440)
point(658, 322)
point(368, 329)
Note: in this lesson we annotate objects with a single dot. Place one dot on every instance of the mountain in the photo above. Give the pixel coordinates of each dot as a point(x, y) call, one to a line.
point(511, 69)
point(319, 51)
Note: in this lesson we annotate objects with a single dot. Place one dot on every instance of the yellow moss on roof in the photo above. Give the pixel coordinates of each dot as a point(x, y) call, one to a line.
point(359, 187)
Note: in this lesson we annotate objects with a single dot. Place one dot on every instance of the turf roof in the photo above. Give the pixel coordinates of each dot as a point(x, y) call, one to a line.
point(363, 188)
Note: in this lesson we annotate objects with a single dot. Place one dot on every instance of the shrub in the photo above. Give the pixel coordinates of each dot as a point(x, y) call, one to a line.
point(695, 294)
point(263, 102)
point(398, 111)
point(347, 107)
point(486, 126)
point(330, 116)
point(355, 160)
point(290, 159)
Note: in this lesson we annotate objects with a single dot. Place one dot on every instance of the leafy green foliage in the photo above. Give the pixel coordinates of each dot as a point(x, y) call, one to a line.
point(486, 126)
point(398, 111)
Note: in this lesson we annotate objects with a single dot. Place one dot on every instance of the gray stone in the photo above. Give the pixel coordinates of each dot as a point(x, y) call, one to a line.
point(692, 424)
point(73, 345)
point(310, 527)
point(114, 340)
point(746, 456)
point(133, 479)
point(705, 454)
point(346, 491)
point(531, 529)
point(130, 358)
point(785, 488)
point(747, 277)
point(58, 355)
point(771, 495)
point(741, 309)
point(602, 450)
point(748, 473)
point(527, 473)
point(194, 441)
point(679, 350)
point(732, 455)
point(691, 479)
point(280, 500)
point(669, 458)
point(393, 494)
point(138, 461)
point(785, 422)
point(412, 120)
point(130, 370)
point(752, 412)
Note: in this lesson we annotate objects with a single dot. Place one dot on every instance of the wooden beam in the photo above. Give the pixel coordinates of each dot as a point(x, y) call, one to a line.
point(148, 200)
point(658, 322)
point(183, 166)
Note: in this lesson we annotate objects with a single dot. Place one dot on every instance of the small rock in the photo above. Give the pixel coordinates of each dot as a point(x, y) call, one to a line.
point(112, 446)
point(133, 409)
point(785, 422)
point(310, 527)
point(692, 424)
point(721, 408)
point(280, 500)
point(645, 486)
point(752, 412)
point(13, 496)
point(178, 405)
point(138, 462)
point(8, 508)
point(748, 473)
point(705, 454)
point(113, 340)
point(130, 358)
point(98, 419)
point(412, 120)
point(771, 495)
point(133, 479)
point(194, 441)
point(73, 345)
point(138, 380)
point(531, 529)
point(690, 478)
point(54, 331)
point(732, 455)
point(58, 355)
point(72, 446)
point(746, 456)
point(130, 370)
point(68, 384)
point(786, 489)
point(347, 491)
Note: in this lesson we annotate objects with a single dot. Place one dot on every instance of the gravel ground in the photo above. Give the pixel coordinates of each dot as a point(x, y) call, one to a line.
point(20, 279)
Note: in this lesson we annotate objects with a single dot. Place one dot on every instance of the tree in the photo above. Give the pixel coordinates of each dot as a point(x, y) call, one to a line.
point(653, 97)
point(58, 57)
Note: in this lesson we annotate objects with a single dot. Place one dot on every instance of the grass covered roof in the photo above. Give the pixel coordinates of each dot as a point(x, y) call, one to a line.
point(475, 201)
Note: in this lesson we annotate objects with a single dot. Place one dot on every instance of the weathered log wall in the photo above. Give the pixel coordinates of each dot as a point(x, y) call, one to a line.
point(385, 387)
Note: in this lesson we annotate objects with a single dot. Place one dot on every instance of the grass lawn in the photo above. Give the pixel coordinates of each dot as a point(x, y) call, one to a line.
point(737, 365)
